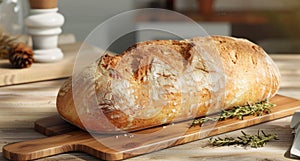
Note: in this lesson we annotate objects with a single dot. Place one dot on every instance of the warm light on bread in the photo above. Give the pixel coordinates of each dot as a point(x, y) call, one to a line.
point(164, 81)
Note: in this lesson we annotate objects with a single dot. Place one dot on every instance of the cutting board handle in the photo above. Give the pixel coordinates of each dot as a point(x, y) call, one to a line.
point(33, 149)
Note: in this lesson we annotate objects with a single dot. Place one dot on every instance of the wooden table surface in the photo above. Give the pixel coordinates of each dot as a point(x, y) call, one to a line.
point(21, 105)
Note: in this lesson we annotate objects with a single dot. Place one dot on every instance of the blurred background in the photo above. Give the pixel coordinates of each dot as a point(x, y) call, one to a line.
point(273, 24)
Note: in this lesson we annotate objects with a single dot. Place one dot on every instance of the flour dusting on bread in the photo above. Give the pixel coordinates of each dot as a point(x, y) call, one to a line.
point(164, 81)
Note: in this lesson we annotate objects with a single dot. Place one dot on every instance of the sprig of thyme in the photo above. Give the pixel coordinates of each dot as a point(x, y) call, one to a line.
point(253, 141)
point(238, 112)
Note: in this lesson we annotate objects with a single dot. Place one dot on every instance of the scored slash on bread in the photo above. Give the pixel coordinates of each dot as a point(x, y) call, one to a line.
point(163, 81)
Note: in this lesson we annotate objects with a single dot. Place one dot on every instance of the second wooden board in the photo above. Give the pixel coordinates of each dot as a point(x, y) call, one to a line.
point(47, 71)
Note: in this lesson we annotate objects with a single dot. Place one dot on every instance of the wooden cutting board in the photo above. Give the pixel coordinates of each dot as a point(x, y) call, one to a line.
point(67, 138)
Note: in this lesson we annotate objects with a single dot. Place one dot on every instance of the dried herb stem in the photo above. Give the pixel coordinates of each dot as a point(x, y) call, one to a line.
point(253, 141)
point(238, 112)
point(6, 43)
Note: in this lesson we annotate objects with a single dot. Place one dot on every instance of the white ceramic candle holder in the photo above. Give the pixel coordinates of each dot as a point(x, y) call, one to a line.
point(44, 25)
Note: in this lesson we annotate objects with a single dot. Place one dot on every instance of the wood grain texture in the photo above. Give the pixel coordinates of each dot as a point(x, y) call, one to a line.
point(118, 147)
point(53, 125)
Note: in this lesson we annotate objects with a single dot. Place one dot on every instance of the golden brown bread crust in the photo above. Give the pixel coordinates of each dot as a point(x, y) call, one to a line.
point(164, 81)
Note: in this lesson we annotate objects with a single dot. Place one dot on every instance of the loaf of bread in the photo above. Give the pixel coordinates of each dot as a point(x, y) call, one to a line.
point(163, 81)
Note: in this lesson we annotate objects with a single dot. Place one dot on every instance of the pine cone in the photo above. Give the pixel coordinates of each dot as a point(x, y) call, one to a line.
point(21, 56)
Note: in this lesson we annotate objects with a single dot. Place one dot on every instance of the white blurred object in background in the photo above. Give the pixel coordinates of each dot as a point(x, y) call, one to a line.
point(44, 25)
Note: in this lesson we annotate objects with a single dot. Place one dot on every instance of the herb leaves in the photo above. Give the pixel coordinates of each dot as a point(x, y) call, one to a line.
point(253, 141)
point(238, 112)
